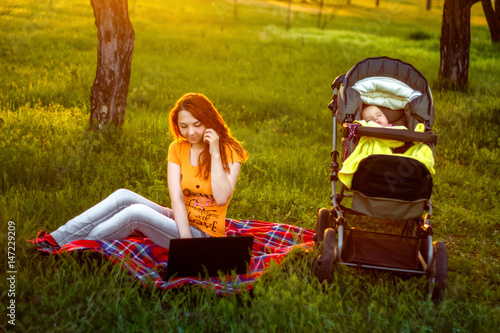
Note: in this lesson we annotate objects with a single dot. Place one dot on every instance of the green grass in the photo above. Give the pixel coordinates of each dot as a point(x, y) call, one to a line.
point(272, 87)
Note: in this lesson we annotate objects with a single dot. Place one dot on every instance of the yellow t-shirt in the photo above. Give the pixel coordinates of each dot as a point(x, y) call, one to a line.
point(203, 211)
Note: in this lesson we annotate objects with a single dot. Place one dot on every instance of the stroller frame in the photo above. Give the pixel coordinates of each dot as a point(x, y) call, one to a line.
point(332, 230)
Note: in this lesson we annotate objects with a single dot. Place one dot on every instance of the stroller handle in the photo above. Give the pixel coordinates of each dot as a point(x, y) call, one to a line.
point(335, 86)
point(394, 134)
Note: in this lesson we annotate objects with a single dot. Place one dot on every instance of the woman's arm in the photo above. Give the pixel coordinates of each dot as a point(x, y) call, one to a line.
point(223, 184)
point(177, 200)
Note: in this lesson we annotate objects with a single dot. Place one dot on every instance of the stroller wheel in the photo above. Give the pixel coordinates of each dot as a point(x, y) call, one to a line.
point(329, 255)
point(322, 224)
point(437, 280)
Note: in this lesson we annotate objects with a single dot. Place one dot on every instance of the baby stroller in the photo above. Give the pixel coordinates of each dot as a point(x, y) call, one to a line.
point(388, 188)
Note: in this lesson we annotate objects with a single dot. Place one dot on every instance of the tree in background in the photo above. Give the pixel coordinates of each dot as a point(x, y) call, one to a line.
point(324, 18)
point(493, 18)
point(320, 12)
point(235, 4)
point(455, 39)
point(116, 36)
point(288, 15)
point(455, 43)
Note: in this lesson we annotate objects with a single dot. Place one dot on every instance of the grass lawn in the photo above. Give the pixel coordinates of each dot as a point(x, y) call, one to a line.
point(272, 86)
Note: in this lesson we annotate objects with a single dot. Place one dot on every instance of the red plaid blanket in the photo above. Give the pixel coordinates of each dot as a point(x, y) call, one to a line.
point(272, 241)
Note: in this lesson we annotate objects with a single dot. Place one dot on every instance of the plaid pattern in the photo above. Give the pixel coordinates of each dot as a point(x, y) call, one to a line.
point(272, 241)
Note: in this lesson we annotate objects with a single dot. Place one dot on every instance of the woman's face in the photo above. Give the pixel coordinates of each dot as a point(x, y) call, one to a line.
point(191, 128)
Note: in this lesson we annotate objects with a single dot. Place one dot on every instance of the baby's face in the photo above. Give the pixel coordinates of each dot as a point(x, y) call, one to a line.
point(373, 113)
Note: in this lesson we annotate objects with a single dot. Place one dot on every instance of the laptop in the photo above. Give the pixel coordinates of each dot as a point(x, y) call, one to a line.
point(193, 257)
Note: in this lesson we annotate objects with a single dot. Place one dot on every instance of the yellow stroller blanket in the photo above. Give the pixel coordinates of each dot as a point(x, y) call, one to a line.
point(368, 146)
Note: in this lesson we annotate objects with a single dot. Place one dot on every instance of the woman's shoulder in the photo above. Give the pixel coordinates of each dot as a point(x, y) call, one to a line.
point(177, 151)
point(178, 144)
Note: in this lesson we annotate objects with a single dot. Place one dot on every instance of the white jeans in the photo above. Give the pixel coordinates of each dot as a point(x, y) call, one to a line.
point(118, 216)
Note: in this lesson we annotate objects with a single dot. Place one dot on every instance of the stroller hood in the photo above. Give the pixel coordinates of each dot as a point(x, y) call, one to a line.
point(418, 109)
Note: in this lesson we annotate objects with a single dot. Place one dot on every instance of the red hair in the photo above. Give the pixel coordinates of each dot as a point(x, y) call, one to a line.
point(204, 111)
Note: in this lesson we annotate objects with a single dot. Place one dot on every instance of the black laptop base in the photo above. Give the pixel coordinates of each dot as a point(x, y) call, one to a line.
point(208, 257)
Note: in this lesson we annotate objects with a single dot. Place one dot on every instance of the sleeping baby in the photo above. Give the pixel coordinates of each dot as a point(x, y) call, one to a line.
point(373, 113)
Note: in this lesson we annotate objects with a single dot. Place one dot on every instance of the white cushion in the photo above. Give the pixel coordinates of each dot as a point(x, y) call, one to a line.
point(385, 91)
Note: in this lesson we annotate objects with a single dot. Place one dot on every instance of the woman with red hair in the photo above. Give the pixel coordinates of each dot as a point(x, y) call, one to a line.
point(204, 161)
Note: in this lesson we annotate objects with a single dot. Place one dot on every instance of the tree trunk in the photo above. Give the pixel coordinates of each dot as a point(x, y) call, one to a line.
point(493, 18)
point(321, 3)
point(114, 60)
point(288, 15)
point(455, 43)
point(429, 4)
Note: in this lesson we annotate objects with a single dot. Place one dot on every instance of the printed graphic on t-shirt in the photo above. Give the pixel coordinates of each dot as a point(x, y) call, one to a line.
point(201, 210)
